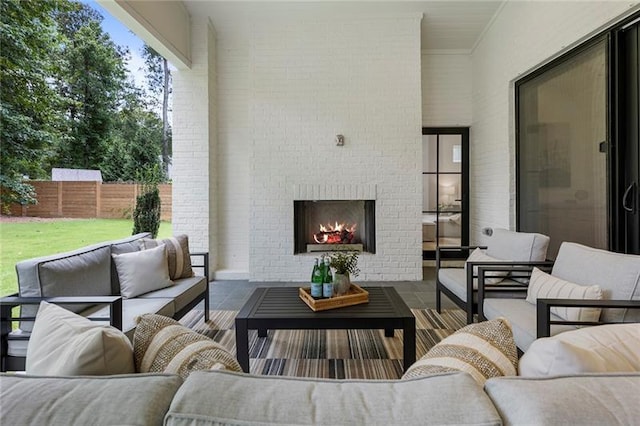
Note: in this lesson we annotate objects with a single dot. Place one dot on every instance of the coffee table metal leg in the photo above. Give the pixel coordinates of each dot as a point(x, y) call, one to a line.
point(409, 343)
point(388, 332)
point(242, 344)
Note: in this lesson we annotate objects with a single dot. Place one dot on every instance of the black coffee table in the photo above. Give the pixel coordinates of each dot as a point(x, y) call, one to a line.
point(280, 308)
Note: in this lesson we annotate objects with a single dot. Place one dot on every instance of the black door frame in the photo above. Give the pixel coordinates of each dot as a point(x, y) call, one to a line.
point(464, 177)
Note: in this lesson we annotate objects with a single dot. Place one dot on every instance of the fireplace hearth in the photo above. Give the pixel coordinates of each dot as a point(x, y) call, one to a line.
point(334, 225)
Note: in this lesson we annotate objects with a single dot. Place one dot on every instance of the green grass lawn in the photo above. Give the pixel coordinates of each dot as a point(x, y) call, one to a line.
point(20, 241)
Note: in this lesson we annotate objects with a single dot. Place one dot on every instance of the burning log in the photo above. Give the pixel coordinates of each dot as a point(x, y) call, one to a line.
point(338, 234)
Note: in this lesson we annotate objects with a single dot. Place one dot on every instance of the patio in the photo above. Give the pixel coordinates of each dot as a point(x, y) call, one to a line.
point(262, 91)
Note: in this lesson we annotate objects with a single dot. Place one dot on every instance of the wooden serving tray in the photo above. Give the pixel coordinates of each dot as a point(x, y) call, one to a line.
point(355, 296)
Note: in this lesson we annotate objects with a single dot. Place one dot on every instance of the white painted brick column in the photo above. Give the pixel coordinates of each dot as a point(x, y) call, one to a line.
point(194, 144)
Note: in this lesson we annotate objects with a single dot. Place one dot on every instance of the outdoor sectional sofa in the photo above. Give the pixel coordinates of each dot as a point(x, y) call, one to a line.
point(226, 398)
point(86, 281)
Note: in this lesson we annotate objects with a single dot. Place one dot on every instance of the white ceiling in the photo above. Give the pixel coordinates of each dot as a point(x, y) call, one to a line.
point(446, 25)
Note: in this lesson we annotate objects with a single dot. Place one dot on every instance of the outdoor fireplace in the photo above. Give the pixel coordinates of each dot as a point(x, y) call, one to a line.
point(333, 225)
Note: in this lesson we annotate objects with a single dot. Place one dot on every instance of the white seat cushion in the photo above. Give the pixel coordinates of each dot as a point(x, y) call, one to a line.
point(522, 317)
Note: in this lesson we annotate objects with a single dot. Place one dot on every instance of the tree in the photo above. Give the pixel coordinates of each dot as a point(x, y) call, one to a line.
point(134, 143)
point(91, 80)
point(159, 78)
point(29, 46)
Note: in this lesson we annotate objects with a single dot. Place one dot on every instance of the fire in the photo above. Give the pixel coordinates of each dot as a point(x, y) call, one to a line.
point(339, 233)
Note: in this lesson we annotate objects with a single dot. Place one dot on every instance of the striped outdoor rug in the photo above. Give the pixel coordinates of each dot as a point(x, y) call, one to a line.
point(340, 354)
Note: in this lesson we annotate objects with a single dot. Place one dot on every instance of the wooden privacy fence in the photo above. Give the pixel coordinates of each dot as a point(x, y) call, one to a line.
point(89, 200)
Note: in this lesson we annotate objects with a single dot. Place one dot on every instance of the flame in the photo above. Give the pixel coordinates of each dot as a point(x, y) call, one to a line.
point(333, 234)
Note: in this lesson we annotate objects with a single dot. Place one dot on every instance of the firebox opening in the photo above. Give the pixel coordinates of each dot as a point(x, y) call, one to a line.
point(332, 225)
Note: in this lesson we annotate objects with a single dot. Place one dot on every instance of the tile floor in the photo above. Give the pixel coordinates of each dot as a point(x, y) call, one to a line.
point(231, 295)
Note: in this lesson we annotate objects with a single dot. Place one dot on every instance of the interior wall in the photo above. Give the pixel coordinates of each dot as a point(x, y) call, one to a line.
point(285, 89)
point(446, 89)
point(522, 36)
point(312, 79)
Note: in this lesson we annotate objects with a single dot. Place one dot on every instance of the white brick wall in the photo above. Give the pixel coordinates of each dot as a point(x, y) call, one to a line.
point(523, 35)
point(446, 89)
point(193, 121)
point(234, 136)
point(310, 81)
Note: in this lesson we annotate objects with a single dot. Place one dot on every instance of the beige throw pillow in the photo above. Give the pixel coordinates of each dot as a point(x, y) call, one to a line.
point(483, 350)
point(177, 252)
point(66, 344)
point(142, 271)
point(545, 286)
point(480, 256)
point(602, 349)
point(163, 345)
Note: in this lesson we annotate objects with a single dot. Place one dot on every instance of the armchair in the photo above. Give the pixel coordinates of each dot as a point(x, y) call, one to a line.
point(617, 275)
point(506, 249)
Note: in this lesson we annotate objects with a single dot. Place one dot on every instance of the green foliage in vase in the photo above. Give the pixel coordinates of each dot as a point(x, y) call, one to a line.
point(345, 262)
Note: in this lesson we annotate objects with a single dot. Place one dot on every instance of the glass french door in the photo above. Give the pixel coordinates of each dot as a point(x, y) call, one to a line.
point(444, 188)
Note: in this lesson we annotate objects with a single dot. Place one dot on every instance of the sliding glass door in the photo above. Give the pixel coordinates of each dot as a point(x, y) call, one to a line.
point(578, 144)
point(562, 151)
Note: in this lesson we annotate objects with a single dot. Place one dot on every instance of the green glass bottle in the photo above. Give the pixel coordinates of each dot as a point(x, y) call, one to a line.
point(316, 281)
point(327, 282)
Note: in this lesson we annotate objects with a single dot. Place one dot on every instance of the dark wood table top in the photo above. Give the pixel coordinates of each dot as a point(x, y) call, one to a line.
point(284, 302)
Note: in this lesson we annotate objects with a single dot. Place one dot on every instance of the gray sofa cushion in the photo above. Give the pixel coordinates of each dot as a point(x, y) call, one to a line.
point(618, 275)
point(86, 274)
point(522, 317)
point(131, 308)
point(602, 399)
point(138, 399)
point(517, 246)
point(225, 398)
point(82, 272)
point(183, 291)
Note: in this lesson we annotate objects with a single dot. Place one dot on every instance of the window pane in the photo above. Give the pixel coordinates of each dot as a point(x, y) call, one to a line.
point(450, 153)
point(562, 182)
point(429, 195)
point(429, 153)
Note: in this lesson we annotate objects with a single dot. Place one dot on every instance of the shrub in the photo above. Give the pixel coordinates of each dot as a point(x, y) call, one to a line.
point(146, 216)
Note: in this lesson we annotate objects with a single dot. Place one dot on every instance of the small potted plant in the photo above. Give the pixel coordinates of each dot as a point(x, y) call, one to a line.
point(345, 264)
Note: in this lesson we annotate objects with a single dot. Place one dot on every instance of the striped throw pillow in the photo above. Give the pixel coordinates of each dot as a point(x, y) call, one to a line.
point(177, 252)
point(545, 286)
point(483, 350)
point(162, 345)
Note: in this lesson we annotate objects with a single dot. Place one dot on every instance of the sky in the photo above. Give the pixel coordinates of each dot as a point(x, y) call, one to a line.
point(123, 37)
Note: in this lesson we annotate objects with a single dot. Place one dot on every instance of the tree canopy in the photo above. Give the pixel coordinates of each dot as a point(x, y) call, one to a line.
point(66, 99)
